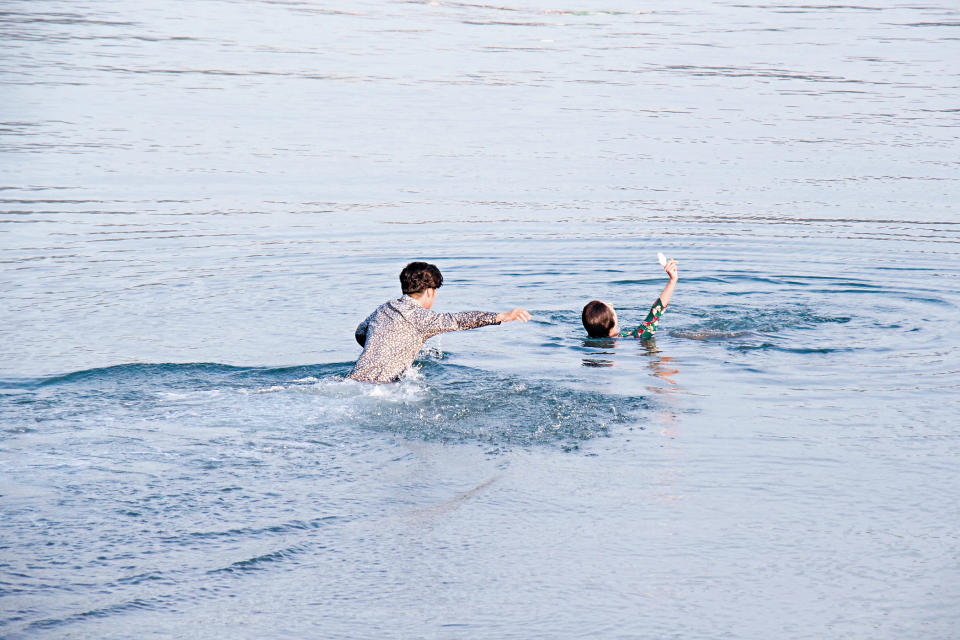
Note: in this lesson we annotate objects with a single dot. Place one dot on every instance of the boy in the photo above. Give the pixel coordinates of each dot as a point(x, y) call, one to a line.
point(392, 335)
point(600, 320)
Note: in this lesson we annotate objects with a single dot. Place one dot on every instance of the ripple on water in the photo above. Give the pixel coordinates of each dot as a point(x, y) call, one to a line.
point(432, 402)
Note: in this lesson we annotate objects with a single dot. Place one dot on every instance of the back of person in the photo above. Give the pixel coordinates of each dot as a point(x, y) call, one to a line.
point(600, 319)
point(394, 333)
point(391, 339)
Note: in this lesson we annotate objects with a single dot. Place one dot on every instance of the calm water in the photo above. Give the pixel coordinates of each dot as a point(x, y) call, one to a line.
point(199, 201)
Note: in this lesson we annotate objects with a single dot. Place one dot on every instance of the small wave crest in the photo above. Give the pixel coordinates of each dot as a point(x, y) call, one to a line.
point(434, 401)
point(790, 328)
point(455, 403)
point(737, 320)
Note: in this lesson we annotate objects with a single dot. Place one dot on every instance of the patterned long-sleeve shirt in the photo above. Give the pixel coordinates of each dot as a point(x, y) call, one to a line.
point(649, 325)
point(393, 335)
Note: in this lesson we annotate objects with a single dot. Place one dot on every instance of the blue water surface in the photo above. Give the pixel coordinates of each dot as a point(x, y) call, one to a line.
point(199, 202)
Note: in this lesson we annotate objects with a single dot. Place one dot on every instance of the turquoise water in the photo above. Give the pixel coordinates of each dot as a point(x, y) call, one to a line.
point(200, 201)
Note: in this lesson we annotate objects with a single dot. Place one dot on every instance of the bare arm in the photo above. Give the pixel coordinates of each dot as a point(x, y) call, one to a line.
point(649, 325)
point(667, 293)
point(514, 314)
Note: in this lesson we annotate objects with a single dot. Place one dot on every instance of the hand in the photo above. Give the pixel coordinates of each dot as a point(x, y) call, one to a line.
point(671, 269)
point(515, 314)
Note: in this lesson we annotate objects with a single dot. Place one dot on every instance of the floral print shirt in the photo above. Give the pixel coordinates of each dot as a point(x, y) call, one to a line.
point(649, 325)
point(392, 336)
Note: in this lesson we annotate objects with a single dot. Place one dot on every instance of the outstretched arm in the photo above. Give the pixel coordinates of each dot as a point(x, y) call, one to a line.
point(514, 314)
point(432, 324)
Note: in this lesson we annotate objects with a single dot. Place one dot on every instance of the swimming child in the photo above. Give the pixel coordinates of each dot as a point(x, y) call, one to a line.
point(600, 320)
point(392, 335)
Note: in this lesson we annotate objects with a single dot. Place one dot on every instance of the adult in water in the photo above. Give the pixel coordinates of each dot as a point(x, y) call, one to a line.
point(394, 333)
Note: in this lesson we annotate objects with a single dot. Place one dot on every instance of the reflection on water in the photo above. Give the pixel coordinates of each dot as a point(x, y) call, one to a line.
point(601, 352)
point(199, 203)
point(664, 367)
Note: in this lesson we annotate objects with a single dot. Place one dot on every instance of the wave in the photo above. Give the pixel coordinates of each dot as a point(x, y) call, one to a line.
point(434, 401)
point(737, 320)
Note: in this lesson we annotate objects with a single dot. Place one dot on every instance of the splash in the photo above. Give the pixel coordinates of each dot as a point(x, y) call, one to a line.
point(432, 401)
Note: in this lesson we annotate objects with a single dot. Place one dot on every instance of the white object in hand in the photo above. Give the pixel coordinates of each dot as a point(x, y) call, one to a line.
point(661, 259)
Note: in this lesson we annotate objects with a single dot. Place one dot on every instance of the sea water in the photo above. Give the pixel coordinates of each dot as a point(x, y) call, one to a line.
point(200, 201)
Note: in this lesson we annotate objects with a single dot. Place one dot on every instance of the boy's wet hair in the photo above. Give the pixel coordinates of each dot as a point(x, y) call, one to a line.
point(597, 319)
point(417, 277)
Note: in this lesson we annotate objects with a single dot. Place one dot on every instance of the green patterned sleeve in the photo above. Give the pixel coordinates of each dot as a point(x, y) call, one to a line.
point(649, 325)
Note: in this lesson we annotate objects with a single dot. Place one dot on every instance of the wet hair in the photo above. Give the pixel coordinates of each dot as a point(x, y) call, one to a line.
point(417, 277)
point(597, 319)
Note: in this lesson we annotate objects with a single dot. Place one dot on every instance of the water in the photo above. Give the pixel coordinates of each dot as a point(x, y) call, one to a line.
point(200, 201)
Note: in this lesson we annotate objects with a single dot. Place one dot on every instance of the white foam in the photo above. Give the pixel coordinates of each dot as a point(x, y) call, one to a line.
point(177, 396)
point(409, 387)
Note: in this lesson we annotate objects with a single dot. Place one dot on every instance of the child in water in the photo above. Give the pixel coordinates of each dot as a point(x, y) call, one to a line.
point(600, 320)
point(392, 335)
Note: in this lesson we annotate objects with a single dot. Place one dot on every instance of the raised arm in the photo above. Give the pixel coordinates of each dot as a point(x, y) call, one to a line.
point(649, 325)
point(667, 293)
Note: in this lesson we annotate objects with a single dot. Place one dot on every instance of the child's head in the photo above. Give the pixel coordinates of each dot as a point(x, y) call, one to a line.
point(417, 277)
point(599, 319)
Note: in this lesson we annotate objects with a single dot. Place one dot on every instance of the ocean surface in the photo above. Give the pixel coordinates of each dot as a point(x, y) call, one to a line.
point(199, 201)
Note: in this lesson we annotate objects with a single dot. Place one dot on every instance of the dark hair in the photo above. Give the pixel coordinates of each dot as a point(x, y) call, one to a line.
point(417, 277)
point(597, 319)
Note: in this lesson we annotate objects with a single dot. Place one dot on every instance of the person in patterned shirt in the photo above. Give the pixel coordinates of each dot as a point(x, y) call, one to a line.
point(600, 319)
point(392, 335)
